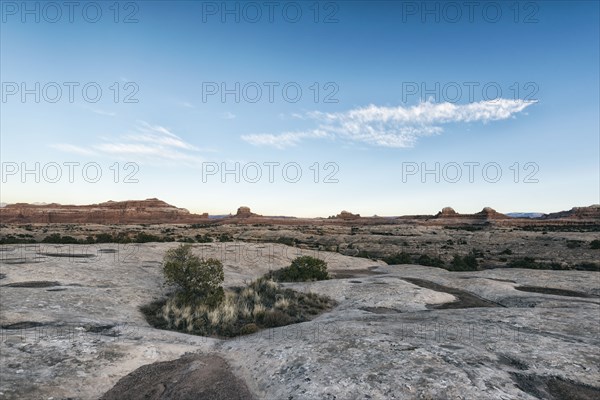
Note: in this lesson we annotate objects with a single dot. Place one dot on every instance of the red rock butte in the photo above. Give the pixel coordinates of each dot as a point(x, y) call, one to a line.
point(152, 211)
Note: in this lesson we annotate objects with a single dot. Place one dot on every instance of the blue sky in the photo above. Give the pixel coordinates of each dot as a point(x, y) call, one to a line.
point(387, 75)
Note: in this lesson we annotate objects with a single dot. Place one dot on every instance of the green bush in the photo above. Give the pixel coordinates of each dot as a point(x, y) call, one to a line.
point(143, 237)
point(573, 244)
point(56, 238)
point(225, 237)
point(204, 239)
point(588, 266)
point(302, 269)
point(198, 279)
point(595, 244)
point(398, 258)
point(428, 261)
point(245, 310)
point(525, 262)
point(286, 240)
point(466, 263)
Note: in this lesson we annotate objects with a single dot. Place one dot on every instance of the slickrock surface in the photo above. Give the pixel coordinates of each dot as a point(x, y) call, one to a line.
point(71, 329)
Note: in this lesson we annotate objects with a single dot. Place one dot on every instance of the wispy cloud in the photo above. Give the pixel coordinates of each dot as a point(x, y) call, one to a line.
point(102, 112)
point(393, 126)
point(149, 143)
point(284, 140)
point(228, 115)
point(70, 148)
point(186, 104)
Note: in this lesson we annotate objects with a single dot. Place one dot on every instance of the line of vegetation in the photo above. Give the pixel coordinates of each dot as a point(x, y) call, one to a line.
point(562, 228)
point(120, 237)
point(531, 263)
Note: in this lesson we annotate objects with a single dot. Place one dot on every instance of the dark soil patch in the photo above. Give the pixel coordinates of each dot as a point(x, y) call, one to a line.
point(23, 325)
point(555, 388)
point(465, 299)
point(20, 261)
point(207, 377)
point(56, 290)
point(353, 273)
point(554, 291)
point(69, 255)
point(108, 251)
point(355, 281)
point(101, 329)
point(380, 310)
point(512, 362)
point(482, 277)
point(33, 284)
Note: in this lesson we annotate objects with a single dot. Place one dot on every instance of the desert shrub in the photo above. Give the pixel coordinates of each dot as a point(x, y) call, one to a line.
point(225, 237)
point(476, 253)
point(364, 253)
point(525, 262)
point(11, 239)
point(506, 251)
point(122, 237)
point(573, 244)
point(56, 238)
point(244, 310)
point(595, 244)
point(399, 258)
point(530, 263)
point(286, 240)
point(197, 279)
point(466, 263)
point(302, 269)
point(143, 237)
point(587, 266)
point(104, 238)
point(429, 261)
point(204, 238)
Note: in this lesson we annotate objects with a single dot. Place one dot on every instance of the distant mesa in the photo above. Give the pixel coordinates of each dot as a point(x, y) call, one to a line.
point(244, 212)
point(155, 211)
point(490, 213)
point(486, 214)
point(591, 212)
point(150, 211)
point(347, 215)
point(447, 212)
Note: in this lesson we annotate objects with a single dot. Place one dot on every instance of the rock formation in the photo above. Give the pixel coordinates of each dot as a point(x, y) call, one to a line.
point(150, 211)
point(347, 215)
point(591, 212)
point(244, 212)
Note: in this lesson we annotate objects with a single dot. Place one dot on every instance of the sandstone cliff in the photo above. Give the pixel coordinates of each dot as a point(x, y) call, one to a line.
point(150, 211)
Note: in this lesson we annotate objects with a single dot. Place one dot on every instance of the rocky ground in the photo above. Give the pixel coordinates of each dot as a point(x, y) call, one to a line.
point(498, 245)
point(71, 328)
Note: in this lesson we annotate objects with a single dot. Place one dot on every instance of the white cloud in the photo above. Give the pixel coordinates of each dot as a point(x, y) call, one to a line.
point(283, 140)
point(228, 115)
point(393, 126)
point(151, 143)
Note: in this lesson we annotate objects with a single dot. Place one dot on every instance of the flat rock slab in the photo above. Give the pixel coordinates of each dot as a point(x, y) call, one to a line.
point(190, 377)
point(386, 339)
